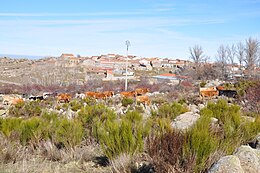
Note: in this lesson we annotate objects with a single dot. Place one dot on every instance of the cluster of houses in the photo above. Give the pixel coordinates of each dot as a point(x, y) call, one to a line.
point(69, 68)
point(113, 66)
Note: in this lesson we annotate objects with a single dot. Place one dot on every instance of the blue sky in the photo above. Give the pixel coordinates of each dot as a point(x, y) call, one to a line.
point(155, 28)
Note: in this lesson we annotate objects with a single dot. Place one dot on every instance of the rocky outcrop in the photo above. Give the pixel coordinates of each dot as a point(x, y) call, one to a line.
point(249, 160)
point(185, 121)
point(227, 164)
point(193, 108)
point(244, 160)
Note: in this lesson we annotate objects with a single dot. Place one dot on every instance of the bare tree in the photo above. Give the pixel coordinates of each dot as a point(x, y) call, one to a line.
point(252, 53)
point(240, 53)
point(231, 53)
point(222, 59)
point(196, 54)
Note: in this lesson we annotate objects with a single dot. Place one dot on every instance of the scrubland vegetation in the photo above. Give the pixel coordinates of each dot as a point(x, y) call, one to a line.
point(128, 142)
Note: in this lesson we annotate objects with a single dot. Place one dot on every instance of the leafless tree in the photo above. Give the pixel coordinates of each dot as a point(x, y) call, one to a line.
point(240, 53)
point(197, 56)
point(222, 59)
point(231, 53)
point(251, 54)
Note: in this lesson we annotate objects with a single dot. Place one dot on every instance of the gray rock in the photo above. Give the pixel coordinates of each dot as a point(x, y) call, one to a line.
point(193, 108)
point(257, 151)
point(156, 93)
point(69, 114)
point(119, 111)
point(201, 106)
point(227, 164)
point(248, 159)
point(247, 118)
point(258, 142)
point(185, 121)
point(147, 110)
point(214, 120)
point(2, 112)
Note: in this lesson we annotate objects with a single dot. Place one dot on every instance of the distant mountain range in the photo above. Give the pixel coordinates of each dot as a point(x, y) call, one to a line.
point(21, 56)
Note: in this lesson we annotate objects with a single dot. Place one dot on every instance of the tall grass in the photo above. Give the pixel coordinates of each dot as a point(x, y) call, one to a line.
point(123, 136)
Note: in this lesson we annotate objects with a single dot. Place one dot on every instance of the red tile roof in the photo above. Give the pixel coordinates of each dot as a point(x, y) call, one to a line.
point(67, 54)
point(168, 74)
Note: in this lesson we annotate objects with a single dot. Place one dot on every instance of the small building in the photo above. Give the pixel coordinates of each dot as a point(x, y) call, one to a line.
point(170, 76)
point(65, 56)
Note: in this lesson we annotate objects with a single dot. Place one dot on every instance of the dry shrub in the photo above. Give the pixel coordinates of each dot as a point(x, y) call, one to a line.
point(87, 152)
point(10, 89)
point(121, 164)
point(253, 98)
point(142, 163)
point(159, 100)
point(49, 151)
point(83, 152)
point(166, 152)
point(8, 150)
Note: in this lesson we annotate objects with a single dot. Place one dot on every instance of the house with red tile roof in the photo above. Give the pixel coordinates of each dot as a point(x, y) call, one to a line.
point(67, 55)
point(67, 60)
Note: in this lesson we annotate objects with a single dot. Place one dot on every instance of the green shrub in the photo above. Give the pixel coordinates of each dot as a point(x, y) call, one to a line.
point(65, 106)
point(182, 101)
point(122, 136)
point(159, 126)
point(49, 116)
point(90, 115)
point(68, 132)
point(89, 101)
point(171, 111)
point(26, 109)
point(75, 105)
point(10, 126)
point(201, 143)
point(228, 86)
point(31, 130)
point(159, 100)
point(250, 129)
point(139, 109)
point(228, 115)
point(127, 101)
point(203, 84)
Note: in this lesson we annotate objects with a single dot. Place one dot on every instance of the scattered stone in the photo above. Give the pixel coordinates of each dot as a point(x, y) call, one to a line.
point(147, 110)
point(69, 113)
point(214, 120)
point(193, 108)
point(201, 106)
point(247, 118)
point(248, 159)
point(227, 164)
point(184, 121)
point(2, 112)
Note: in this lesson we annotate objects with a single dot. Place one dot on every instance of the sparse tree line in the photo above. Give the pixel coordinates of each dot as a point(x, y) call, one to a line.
point(247, 54)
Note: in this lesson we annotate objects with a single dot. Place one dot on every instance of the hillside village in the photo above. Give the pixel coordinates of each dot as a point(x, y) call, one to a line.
point(68, 69)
